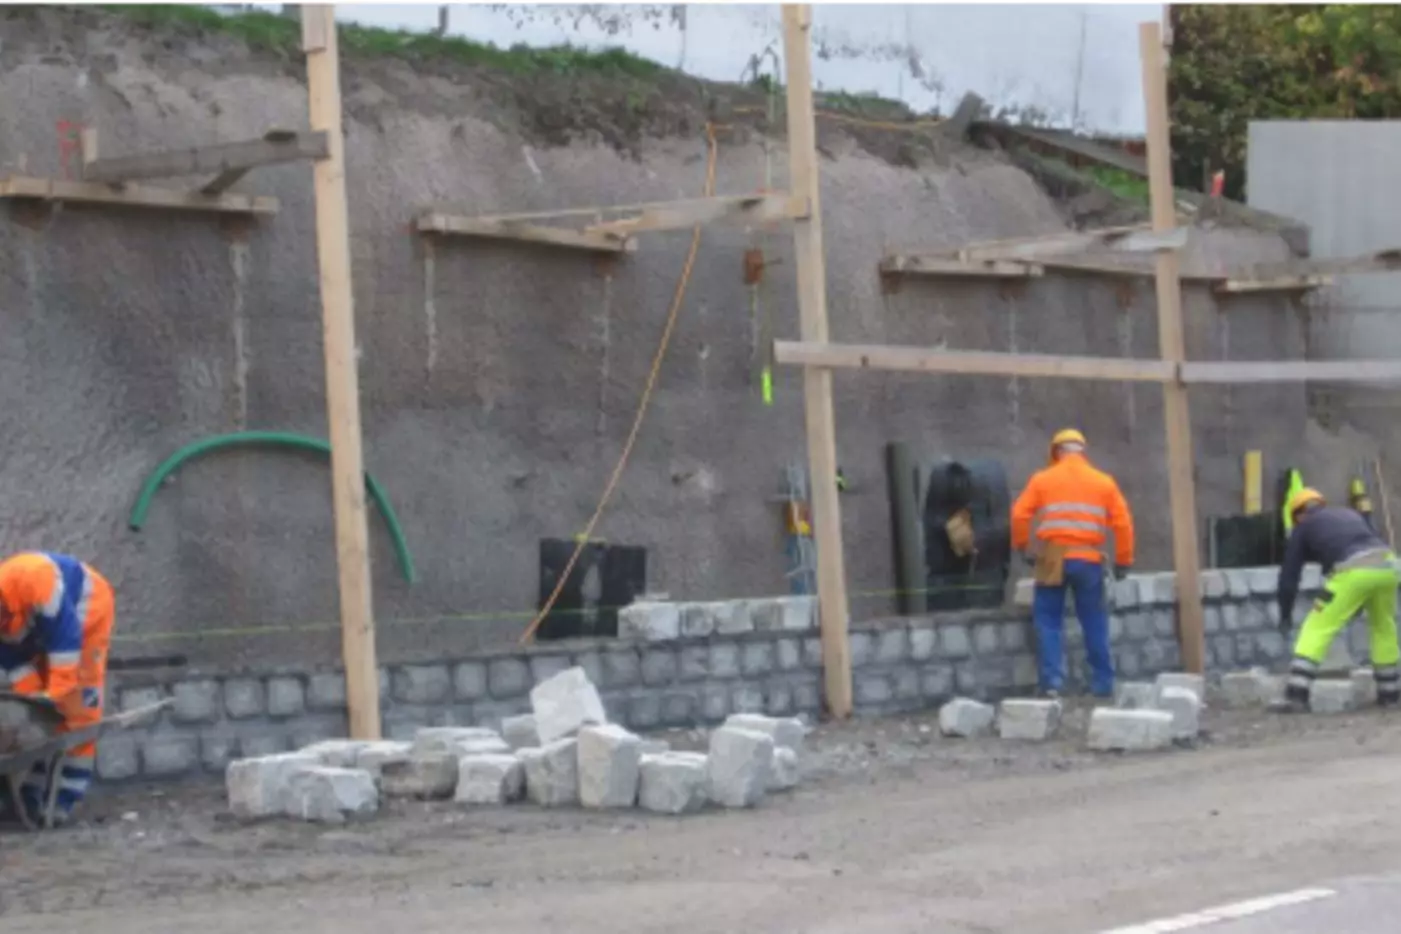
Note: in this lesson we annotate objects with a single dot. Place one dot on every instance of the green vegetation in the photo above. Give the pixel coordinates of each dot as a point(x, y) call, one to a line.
point(1123, 184)
point(273, 32)
point(1234, 63)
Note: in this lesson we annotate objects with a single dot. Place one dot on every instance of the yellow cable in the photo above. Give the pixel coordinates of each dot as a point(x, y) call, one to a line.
point(642, 404)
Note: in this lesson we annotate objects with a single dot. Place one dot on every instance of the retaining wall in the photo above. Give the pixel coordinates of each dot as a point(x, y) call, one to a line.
point(689, 664)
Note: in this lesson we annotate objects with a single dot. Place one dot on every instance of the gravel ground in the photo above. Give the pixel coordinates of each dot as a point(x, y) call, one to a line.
point(894, 829)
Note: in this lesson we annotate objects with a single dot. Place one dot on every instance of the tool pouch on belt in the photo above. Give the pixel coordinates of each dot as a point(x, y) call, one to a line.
point(959, 529)
point(1050, 565)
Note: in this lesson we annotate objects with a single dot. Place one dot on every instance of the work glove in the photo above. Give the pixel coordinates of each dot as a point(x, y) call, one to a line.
point(1121, 571)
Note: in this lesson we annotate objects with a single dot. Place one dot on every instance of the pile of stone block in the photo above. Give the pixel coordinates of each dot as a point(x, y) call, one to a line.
point(565, 753)
point(1150, 716)
point(1329, 695)
point(1013, 719)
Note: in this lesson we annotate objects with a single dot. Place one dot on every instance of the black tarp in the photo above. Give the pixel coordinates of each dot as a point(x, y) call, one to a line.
point(604, 578)
point(980, 485)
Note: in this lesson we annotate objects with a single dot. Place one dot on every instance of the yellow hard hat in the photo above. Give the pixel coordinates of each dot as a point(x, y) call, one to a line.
point(1303, 498)
point(1064, 436)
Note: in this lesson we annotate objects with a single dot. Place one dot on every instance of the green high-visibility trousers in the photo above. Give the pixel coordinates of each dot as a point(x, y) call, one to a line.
point(1344, 594)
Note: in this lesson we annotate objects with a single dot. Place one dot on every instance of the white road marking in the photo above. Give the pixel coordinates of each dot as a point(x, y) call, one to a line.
point(1244, 909)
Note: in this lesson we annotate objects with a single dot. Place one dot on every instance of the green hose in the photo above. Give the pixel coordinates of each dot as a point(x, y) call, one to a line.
point(275, 439)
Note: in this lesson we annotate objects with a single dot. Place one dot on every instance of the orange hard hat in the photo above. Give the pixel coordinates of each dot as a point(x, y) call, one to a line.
point(1303, 498)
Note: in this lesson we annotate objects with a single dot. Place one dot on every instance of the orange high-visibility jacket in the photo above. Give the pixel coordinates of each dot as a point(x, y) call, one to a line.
point(1077, 504)
point(50, 597)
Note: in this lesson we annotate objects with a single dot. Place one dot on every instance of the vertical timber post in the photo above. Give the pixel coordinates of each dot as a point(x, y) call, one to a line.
point(811, 272)
point(342, 378)
point(1182, 493)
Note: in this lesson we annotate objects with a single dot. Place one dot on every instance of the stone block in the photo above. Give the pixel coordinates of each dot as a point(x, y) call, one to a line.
point(376, 754)
point(807, 695)
point(244, 698)
point(788, 654)
point(740, 763)
point(1364, 687)
point(565, 703)
point(257, 787)
point(1013, 636)
point(507, 677)
point(1129, 730)
point(427, 777)
point(697, 621)
point(1181, 679)
point(489, 779)
point(1024, 593)
point(1263, 582)
point(714, 702)
point(519, 732)
point(693, 662)
point(1237, 583)
point(966, 717)
point(1134, 695)
point(1024, 671)
point(1332, 695)
point(1311, 578)
point(1126, 594)
point(787, 732)
point(544, 667)
point(659, 666)
point(892, 647)
point(216, 752)
point(673, 782)
point(732, 616)
point(1159, 589)
point(118, 757)
point(1185, 705)
point(985, 639)
point(1033, 720)
point(196, 702)
point(326, 794)
point(1243, 689)
point(724, 660)
point(1213, 584)
point(812, 652)
point(609, 758)
point(756, 659)
point(552, 773)
point(422, 684)
point(469, 681)
point(872, 689)
point(326, 692)
point(286, 697)
point(650, 621)
point(458, 741)
point(338, 753)
point(267, 743)
point(923, 640)
point(784, 771)
point(622, 668)
point(165, 756)
point(790, 614)
point(1165, 623)
point(678, 708)
point(747, 698)
point(954, 641)
point(936, 682)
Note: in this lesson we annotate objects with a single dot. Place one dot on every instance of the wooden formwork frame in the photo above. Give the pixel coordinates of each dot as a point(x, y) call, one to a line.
point(1172, 371)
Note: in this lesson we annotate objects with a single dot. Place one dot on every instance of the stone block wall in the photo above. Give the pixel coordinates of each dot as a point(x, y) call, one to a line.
point(681, 665)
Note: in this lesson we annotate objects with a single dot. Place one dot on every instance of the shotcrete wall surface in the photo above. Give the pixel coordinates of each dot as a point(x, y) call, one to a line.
point(498, 380)
point(898, 665)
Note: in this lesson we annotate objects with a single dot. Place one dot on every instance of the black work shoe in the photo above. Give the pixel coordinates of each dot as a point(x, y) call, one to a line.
point(1389, 701)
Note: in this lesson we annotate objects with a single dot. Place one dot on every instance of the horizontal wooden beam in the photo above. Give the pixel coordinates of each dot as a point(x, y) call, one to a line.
point(971, 363)
point(494, 229)
point(681, 215)
point(1276, 284)
point(223, 159)
point(944, 266)
point(1135, 239)
point(1231, 372)
point(132, 196)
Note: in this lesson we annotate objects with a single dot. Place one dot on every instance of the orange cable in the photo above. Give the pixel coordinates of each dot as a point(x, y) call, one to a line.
point(642, 404)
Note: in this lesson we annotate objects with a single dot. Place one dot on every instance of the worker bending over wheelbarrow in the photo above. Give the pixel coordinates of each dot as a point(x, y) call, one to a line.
point(56, 617)
point(1362, 575)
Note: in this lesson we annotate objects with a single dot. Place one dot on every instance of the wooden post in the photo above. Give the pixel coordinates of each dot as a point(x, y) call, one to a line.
point(811, 272)
point(342, 378)
point(1181, 484)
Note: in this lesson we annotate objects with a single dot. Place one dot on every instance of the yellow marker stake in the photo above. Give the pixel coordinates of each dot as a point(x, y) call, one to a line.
point(767, 381)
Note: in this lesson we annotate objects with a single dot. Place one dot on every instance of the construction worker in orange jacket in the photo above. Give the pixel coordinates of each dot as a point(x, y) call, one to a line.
point(1077, 505)
point(56, 617)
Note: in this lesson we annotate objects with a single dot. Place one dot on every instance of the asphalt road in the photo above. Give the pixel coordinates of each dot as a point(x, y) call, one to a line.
point(1351, 906)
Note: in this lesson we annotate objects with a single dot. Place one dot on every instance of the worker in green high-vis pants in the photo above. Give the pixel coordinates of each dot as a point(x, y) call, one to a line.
point(1361, 576)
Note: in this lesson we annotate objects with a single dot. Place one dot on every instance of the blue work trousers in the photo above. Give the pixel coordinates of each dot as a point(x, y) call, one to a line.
point(1086, 580)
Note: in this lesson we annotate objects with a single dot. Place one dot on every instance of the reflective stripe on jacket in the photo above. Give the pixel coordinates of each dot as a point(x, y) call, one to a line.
point(1076, 505)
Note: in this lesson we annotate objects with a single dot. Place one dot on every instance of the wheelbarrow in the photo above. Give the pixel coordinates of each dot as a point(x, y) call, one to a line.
point(28, 735)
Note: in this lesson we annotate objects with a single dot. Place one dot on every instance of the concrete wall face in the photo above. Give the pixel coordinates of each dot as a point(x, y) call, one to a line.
point(498, 381)
point(1336, 176)
point(898, 665)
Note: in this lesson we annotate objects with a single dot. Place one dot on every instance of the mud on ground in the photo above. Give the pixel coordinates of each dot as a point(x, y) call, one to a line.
point(141, 846)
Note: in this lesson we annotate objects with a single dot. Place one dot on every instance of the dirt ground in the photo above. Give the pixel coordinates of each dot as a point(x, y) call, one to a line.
point(893, 829)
